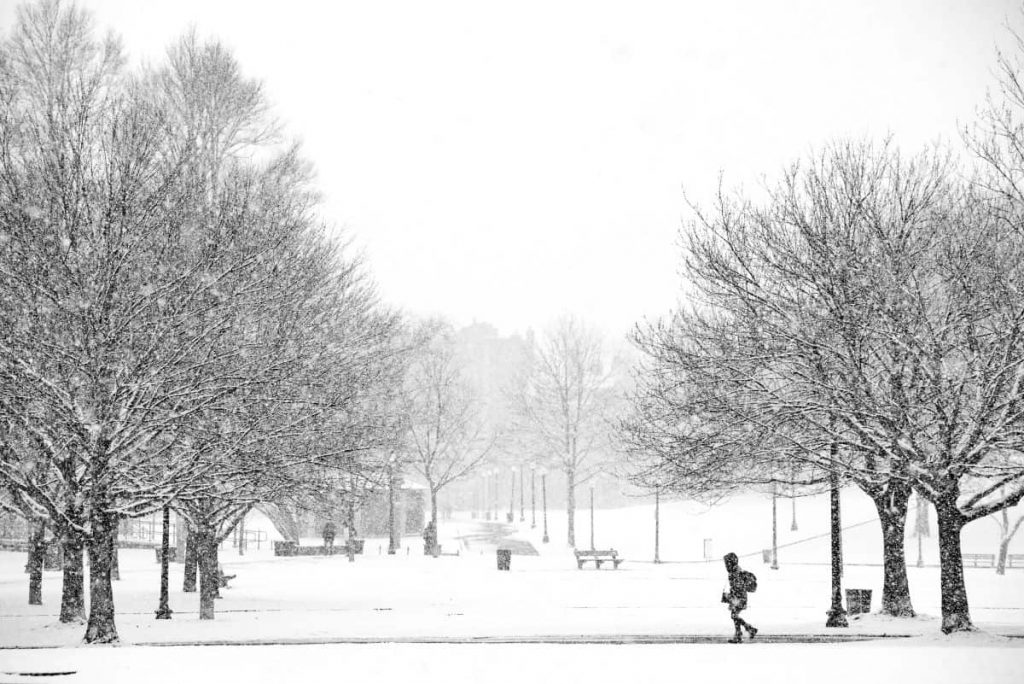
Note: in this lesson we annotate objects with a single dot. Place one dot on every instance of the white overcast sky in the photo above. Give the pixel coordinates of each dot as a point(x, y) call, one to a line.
point(508, 162)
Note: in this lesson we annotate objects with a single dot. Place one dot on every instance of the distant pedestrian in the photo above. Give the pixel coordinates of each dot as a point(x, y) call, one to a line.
point(430, 539)
point(741, 582)
point(329, 531)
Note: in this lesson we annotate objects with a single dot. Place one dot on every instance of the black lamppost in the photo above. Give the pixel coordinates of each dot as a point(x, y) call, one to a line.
point(393, 541)
point(164, 610)
point(592, 547)
point(522, 494)
point(485, 507)
point(533, 495)
point(836, 614)
point(512, 495)
point(494, 499)
point(775, 527)
point(544, 500)
point(657, 524)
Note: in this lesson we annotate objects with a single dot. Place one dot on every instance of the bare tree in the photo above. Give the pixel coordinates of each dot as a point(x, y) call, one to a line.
point(1008, 528)
point(161, 263)
point(866, 305)
point(563, 404)
point(446, 434)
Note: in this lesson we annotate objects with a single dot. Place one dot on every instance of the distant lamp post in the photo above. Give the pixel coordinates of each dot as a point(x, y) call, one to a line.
point(494, 499)
point(592, 547)
point(775, 529)
point(793, 527)
point(512, 495)
point(544, 500)
point(393, 540)
point(164, 610)
point(485, 504)
point(657, 523)
point(522, 494)
point(533, 495)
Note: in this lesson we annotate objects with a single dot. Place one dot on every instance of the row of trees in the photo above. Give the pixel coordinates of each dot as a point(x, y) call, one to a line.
point(176, 326)
point(178, 329)
point(863, 320)
point(551, 403)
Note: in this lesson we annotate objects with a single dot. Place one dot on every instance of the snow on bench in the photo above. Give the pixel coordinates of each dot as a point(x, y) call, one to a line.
point(598, 557)
point(979, 560)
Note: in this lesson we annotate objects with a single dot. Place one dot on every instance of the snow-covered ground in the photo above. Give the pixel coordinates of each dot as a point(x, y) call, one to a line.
point(424, 613)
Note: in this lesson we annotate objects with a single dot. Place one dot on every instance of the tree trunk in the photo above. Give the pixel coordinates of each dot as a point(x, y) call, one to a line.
point(191, 560)
point(36, 551)
point(1004, 547)
point(570, 504)
point(956, 615)
point(208, 580)
point(433, 505)
point(115, 565)
point(72, 600)
point(101, 628)
point(892, 508)
point(435, 550)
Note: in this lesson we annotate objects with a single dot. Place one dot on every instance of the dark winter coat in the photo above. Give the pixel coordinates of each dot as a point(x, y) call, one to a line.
point(737, 596)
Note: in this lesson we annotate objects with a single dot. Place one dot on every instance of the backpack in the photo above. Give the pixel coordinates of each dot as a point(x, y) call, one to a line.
point(748, 581)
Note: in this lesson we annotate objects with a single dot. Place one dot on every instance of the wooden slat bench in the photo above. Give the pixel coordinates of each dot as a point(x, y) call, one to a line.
point(980, 560)
point(1015, 560)
point(598, 556)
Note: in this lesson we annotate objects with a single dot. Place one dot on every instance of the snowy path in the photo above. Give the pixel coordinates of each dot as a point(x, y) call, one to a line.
point(876, 662)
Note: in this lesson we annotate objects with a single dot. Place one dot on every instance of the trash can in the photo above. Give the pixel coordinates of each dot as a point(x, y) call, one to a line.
point(858, 601)
point(504, 559)
point(172, 554)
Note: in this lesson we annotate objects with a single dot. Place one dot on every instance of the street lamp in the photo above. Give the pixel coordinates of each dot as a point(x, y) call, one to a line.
point(592, 547)
point(657, 523)
point(775, 527)
point(544, 500)
point(522, 494)
point(393, 541)
point(836, 614)
point(512, 495)
point(533, 495)
point(485, 512)
point(793, 527)
point(494, 499)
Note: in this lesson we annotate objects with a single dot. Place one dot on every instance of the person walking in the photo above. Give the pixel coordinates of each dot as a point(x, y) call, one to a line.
point(329, 531)
point(741, 583)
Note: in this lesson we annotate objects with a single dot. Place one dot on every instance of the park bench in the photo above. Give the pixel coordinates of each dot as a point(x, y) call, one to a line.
point(1015, 560)
point(979, 560)
point(222, 579)
point(598, 556)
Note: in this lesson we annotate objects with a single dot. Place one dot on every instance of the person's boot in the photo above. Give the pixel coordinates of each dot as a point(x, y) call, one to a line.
point(737, 639)
point(752, 631)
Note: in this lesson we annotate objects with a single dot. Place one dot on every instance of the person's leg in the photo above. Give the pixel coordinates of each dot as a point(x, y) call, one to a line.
point(737, 621)
point(751, 630)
